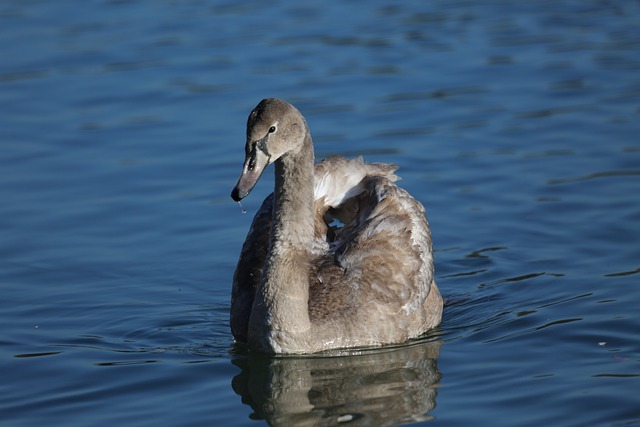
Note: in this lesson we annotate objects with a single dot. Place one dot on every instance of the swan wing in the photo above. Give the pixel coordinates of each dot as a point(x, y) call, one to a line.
point(384, 252)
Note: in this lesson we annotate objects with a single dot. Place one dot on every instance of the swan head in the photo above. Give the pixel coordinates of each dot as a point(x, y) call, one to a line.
point(274, 128)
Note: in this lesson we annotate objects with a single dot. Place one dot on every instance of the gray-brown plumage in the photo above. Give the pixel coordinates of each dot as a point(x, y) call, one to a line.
point(338, 256)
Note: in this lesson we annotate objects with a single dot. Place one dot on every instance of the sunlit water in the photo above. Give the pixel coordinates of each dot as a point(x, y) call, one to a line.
point(121, 134)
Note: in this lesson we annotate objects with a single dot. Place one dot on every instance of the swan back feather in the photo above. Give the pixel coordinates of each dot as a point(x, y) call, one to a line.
point(338, 179)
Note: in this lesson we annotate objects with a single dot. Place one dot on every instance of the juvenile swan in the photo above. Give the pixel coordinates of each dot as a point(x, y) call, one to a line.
point(337, 256)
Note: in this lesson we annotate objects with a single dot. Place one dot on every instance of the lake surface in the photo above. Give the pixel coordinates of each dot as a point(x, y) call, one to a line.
point(517, 125)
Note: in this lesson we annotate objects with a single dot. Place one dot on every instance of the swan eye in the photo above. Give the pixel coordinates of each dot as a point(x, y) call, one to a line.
point(272, 129)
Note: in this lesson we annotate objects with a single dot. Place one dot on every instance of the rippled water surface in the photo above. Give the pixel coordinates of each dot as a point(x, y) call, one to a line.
point(517, 124)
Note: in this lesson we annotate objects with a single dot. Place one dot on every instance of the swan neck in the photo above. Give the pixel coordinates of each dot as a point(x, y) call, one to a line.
point(280, 320)
point(293, 213)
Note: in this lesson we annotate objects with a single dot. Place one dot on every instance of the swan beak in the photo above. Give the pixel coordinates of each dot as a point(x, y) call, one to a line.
point(254, 165)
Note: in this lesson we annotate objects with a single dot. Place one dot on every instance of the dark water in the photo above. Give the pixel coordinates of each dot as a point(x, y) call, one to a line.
point(516, 123)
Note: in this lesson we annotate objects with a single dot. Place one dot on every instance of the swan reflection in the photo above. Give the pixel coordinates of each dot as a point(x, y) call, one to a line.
point(380, 387)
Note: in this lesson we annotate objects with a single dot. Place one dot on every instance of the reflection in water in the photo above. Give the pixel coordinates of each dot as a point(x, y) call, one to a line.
point(374, 387)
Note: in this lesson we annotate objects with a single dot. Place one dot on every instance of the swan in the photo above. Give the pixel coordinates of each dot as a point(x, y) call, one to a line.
point(338, 256)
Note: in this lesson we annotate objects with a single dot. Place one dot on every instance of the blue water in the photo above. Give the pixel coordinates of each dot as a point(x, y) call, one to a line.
point(121, 134)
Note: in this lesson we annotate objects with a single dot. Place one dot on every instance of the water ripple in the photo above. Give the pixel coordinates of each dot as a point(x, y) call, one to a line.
point(596, 175)
point(623, 273)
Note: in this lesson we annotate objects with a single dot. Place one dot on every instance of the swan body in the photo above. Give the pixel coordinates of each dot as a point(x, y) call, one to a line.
point(337, 256)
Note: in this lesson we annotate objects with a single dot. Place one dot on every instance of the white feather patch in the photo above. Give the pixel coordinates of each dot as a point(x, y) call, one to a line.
point(338, 179)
